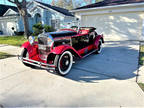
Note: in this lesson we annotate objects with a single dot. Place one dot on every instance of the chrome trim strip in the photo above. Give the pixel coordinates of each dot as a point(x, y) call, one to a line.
point(89, 53)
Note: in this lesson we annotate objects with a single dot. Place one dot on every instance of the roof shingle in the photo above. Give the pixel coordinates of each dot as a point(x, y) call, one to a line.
point(4, 8)
point(58, 9)
point(110, 3)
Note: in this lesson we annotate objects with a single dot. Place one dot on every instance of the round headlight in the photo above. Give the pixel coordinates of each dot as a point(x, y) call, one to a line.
point(31, 39)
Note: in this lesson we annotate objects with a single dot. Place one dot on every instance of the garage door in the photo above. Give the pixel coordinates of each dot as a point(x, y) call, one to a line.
point(7, 27)
point(121, 26)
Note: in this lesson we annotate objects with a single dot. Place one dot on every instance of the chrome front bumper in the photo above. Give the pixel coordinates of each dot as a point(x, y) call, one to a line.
point(37, 64)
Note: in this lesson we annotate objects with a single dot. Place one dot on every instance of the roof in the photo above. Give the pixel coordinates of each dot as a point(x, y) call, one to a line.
point(4, 8)
point(58, 9)
point(110, 3)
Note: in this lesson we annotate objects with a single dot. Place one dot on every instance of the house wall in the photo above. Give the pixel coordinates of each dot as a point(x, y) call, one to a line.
point(47, 17)
point(0, 26)
point(118, 25)
point(122, 26)
point(10, 12)
point(60, 18)
point(30, 24)
point(7, 23)
point(68, 22)
point(21, 25)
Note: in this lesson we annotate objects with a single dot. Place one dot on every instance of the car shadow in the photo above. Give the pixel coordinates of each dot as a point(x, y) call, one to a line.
point(117, 61)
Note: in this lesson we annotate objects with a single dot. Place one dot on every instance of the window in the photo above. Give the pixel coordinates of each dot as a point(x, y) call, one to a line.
point(37, 18)
point(80, 42)
point(55, 23)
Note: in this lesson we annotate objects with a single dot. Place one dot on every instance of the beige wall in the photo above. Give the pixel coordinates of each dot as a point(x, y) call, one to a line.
point(116, 26)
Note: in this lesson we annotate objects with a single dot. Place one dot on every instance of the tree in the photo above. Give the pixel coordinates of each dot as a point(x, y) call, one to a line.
point(71, 4)
point(21, 5)
point(53, 2)
point(67, 4)
point(91, 1)
point(88, 1)
point(98, 0)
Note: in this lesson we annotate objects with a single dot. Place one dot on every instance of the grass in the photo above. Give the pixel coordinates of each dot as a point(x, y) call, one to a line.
point(5, 55)
point(141, 86)
point(141, 60)
point(13, 40)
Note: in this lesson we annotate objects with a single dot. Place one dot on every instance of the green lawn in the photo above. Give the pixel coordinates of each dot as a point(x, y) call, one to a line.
point(141, 86)
point(12, 40)
point(141, 61)
point(5, 55)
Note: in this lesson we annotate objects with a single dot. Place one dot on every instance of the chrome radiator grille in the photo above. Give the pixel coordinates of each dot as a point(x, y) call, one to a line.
point(42, 40)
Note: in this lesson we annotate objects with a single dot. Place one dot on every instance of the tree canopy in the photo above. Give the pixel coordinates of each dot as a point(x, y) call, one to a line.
point(71, 4)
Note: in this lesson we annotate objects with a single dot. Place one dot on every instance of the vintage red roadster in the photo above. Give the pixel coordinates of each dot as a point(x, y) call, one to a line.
point(58, 50)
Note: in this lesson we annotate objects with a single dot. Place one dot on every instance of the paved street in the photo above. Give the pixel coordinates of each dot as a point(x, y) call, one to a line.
point(107, 79)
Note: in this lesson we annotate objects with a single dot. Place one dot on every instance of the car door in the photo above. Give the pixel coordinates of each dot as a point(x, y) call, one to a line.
point(82, 44)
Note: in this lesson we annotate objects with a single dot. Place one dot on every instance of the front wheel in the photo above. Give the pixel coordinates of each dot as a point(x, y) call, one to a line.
point(64, 63)
point(99, 47)
point(25, 54)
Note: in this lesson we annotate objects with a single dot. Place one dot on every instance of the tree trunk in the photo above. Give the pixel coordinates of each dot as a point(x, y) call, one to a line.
point(21, 5)
point(24, 15)
point(26, 25)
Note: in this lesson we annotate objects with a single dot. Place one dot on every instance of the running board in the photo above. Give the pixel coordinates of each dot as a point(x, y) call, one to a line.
point(89, 53)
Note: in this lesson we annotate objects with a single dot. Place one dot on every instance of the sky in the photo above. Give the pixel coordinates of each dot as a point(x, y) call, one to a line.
point(5, 2)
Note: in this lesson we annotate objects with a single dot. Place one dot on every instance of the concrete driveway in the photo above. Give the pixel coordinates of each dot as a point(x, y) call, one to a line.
point(107, 79)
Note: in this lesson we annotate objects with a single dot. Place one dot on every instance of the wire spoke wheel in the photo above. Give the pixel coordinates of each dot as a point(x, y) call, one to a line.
point(99, 47)
point(64, 63)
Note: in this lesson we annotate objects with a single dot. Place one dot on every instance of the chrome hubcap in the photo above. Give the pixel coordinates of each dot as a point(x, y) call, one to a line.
point(67, 62)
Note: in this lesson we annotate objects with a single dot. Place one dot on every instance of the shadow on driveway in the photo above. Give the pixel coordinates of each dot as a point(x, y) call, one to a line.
point(118, 60)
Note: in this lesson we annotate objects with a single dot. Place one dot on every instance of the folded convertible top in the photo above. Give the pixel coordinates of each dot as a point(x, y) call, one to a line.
point(62, 34)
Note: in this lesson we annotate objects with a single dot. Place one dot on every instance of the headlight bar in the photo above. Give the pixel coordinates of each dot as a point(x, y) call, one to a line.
point(31, 39)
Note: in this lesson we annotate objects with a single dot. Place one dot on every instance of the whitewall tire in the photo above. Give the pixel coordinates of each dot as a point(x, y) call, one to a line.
point(64, 63)
point(99, 47)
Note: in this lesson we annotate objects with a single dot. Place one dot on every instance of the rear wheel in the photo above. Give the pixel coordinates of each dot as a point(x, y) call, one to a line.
point(99, 47)
point(25, 54)
point(64, 63)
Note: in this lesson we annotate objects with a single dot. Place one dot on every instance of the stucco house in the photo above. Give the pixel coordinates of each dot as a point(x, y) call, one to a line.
point(10, 19)
point(116, 19)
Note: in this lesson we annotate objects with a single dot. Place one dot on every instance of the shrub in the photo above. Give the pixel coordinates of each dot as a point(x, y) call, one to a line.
point(48, 28)
point(19, 33)
point(37, 29)
point(1, 32)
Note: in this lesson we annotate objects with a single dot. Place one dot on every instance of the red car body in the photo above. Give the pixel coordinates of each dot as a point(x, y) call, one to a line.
point(42, 56)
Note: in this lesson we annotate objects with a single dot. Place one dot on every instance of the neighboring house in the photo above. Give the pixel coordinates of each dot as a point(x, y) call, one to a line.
point(116, 19)
point(10, 19)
